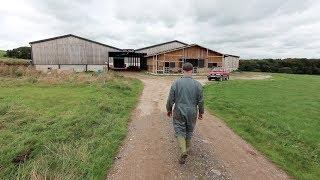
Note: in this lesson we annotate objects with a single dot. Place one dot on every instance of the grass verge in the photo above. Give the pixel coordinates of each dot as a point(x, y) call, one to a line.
point(279, 116)
point(63, 126)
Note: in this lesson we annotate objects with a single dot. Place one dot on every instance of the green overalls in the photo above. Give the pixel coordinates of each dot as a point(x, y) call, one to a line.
point(187, 97)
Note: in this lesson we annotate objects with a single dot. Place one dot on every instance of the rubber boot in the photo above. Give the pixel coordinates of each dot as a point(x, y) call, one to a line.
point(183, 148)
point(188, 145)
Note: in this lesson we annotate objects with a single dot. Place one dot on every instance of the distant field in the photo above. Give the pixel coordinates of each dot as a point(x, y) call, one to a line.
point(63, 128)
point(279, 116)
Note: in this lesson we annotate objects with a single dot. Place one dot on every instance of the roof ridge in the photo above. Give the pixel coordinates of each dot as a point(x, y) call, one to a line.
point(72, 35)
point(161, 44)
point(186, 46)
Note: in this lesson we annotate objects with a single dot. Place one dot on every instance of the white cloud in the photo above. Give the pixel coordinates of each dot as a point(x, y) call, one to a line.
point(253, 28)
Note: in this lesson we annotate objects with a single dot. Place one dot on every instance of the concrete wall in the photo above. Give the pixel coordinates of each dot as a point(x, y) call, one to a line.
point(76, 68)
point(46, 68)
point(231, 63)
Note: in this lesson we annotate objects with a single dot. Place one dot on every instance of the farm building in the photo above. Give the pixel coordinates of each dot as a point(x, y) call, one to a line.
point(231, 62)
point(171, 61)
point(70, 52)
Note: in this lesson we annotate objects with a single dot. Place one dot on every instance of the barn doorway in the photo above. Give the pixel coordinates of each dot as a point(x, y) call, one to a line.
point(199, 63)
point(118, 62)
point(194, 62)
point(127, 59)
point(143, 63)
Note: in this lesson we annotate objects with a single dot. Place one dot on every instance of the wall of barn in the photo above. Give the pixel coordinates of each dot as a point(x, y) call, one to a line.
point(76, 68)
point(194, 52)
point(70, 53)
point(231, 63)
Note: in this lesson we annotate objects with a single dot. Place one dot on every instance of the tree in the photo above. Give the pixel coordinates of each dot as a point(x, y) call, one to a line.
point(20, 52)
point(290, 65)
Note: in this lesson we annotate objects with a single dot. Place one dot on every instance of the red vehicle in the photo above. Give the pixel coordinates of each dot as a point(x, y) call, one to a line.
point(218, 74)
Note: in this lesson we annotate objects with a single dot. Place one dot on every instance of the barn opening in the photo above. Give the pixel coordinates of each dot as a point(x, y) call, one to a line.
point(118, 62)
point(212, 65)
point(127, 60)
point(195, 62)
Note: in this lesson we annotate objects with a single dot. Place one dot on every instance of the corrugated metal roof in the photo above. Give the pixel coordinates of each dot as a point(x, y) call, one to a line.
point(231, 55)
point(161, 44)
point(187, 46)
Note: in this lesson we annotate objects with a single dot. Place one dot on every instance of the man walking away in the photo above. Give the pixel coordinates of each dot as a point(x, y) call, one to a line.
point(187, 97)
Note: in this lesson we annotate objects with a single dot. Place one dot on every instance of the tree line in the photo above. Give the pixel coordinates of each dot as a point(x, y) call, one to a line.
point(20, 52)
point(289, 65)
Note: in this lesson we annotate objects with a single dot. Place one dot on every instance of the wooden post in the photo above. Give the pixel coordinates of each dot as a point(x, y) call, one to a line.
point(153, 68)
point(108, 63)
point(157, 64)
point(183, 53)
point(207, 57)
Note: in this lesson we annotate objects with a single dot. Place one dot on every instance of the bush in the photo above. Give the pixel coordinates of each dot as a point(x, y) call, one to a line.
point(20, 52)
point(295, 66)
point(285, 70)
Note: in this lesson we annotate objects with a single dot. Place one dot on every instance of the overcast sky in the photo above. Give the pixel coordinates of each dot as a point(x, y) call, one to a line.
point(250, 29)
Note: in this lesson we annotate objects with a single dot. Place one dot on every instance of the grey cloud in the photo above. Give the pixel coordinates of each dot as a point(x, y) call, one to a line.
point(253, 28)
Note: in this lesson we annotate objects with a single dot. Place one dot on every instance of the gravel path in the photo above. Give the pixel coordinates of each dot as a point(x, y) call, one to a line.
point(150, 150)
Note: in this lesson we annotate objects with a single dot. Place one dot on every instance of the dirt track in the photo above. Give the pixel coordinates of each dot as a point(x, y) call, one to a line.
point(150, 150)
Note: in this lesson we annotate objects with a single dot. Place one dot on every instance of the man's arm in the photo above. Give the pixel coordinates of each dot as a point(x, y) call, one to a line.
point(200, 101)
point(171, 98)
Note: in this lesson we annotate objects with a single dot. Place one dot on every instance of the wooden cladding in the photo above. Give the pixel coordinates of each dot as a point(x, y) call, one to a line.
point(70, 50)
point(202, 57)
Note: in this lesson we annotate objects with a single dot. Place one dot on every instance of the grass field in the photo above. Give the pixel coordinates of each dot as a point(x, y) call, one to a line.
point(12, 61)
point(64, 129)
point(279, 116)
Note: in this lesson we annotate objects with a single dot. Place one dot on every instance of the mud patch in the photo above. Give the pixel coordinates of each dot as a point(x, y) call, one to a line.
point(22, 157)
point(250, 76)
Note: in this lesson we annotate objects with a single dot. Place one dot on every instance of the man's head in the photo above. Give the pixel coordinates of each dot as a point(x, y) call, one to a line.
point(187, 68)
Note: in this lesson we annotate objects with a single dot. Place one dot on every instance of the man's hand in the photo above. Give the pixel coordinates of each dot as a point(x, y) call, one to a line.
point(200, 117)
point(169, 113)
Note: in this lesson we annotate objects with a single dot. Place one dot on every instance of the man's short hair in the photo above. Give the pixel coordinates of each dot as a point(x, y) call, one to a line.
point(187, 66)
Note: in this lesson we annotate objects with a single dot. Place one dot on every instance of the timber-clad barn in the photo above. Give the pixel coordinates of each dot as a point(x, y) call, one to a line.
point(71, 52)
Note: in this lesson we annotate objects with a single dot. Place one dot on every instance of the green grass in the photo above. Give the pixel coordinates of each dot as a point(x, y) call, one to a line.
point(13, 61)
point(2, 53)
point(279, 116)
point(63, 131)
